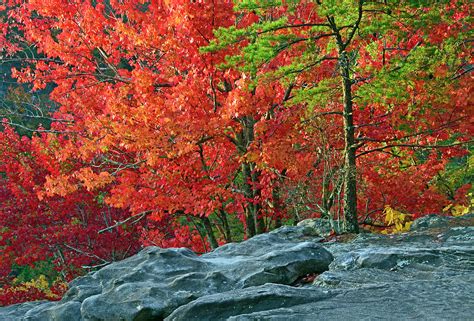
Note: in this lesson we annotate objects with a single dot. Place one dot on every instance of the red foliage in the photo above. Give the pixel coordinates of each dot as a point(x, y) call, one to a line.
point(63, 229)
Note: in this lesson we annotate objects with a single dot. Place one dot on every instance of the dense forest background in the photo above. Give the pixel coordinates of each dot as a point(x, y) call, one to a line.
point(195, 123)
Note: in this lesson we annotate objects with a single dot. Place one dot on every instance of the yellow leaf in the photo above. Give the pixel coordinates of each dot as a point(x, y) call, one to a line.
point(456, 209)
point(252, 157)
point(401, 220)
point(459, 210)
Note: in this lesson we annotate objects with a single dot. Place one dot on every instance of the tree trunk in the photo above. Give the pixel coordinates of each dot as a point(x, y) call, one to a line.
point(350, 168)
point(253, 224)
point(210, 232)
point(250, 228)
point(256, 193)
point(225, 222)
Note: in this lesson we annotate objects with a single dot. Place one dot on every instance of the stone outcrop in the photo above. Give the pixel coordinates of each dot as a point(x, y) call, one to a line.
point(426, 274)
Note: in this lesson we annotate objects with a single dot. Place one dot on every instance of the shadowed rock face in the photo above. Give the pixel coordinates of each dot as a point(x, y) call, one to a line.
point(425, 274)
point(153, 283)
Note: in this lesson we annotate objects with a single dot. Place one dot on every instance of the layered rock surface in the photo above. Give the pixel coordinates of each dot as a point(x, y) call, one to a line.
point(425, 274)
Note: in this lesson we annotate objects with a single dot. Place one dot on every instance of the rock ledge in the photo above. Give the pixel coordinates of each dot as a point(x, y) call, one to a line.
point(425, 274)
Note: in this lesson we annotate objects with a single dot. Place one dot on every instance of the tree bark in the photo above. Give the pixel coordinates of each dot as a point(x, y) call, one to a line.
point(253, 224)
point(225, 222)
point(350, 168)
point(209, 232)
point(250, 226)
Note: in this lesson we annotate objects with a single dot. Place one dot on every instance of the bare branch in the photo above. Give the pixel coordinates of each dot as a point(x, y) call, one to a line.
point(135, 219)
point(295, 26)
point(96, 266)
point(379, 149)
point(41, 130)
point(85, 253)
point(465, 71)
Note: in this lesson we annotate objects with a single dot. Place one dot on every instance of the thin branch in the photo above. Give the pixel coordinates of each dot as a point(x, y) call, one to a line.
point(368, 213)
point(414, 146)
point(41, 130)
point(322, 114)
point(468, 70)
point(96, 266)
point(294, 26)
point(214, 94)
point(231, 139)
point(309, 66)
point(85, 253)
point(135, 219)
point(430, 131)
point(356, 25)
point(52, 119)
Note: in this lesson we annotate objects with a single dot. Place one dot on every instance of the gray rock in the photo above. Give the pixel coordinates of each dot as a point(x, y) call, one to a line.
point(425, 274)
point(434, 221)
point(461, 233)
point(51, 310)
point(427, 300)
point(153, 283)
point(17, 311)
point(429, 221)
point(320, 227)
point(250, 300)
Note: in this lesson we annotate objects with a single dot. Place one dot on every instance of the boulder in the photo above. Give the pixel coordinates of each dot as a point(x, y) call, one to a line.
point(288, 274)
point(18, 311)
point(441, 300)
point(153, 283)
point(429, 221)
point(434, 221)
point(320, 227)
point(223, 306)
point(423, 275)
